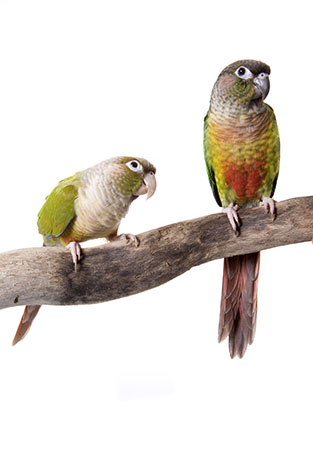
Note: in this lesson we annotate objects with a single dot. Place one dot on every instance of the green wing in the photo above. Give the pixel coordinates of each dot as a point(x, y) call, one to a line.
point(275, 153)
point(209, 168)
point(274, 185)
point(58, 210)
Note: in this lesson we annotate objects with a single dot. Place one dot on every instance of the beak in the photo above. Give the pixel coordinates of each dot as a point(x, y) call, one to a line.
point(150, 181)
point(148, 186)
point(261, 85)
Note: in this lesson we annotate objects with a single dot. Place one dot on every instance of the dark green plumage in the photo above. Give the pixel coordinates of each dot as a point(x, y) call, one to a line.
point(212, 181)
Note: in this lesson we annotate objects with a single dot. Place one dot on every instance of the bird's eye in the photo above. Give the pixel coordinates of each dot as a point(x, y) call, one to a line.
point(244, 73)
point(135, 166)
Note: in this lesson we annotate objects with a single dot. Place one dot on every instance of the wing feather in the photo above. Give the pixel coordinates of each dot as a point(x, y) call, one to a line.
point(59, 209)
point(209, 168)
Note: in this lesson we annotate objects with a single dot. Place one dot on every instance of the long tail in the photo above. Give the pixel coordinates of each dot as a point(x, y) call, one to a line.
point(28, 317)
point(239, 302)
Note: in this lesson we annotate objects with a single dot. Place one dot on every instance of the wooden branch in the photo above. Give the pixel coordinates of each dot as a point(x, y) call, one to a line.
point(46, 275)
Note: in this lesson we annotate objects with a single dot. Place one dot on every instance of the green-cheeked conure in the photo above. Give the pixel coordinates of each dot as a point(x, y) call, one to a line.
point(241, 147)
point(89, 205)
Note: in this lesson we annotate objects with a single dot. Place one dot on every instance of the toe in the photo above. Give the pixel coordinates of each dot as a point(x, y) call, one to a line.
point(75, 250)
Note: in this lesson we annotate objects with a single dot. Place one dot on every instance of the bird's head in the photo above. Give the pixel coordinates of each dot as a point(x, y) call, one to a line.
point(136, 176)
point(244, 81)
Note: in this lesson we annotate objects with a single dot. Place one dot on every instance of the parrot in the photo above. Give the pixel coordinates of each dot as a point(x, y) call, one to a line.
point(89, 205)
point(242, 153)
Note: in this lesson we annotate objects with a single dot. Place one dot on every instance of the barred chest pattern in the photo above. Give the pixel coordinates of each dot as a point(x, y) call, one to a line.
point(242, 144)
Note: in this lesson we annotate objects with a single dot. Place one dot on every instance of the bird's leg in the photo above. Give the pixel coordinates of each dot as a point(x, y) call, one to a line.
point(231, 212)
point(269, 205)
point(126, 237)
point(74, 248)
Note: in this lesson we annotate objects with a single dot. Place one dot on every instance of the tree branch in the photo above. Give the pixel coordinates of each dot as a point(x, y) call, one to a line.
point(46, 275)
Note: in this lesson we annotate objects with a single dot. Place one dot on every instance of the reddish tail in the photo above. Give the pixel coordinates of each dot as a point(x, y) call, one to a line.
point(239, 302)
point(28, 317)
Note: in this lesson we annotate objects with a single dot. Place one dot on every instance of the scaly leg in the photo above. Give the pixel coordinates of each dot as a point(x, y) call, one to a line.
point(126, 237)
point(231, 212)
point(74, 248)
point(269, 205)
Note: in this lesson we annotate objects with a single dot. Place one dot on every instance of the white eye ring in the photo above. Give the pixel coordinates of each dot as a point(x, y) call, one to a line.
point(244, 73)
point(134, 166)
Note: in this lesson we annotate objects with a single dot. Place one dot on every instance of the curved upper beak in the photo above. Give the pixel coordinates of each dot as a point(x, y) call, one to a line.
point(148, 186)
point(150, 181)
point(261, 85)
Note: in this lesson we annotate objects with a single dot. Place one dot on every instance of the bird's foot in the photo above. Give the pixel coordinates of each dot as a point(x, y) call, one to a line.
point(75, 250)
point(126, 237)
point(231, 212)
point(269, 205)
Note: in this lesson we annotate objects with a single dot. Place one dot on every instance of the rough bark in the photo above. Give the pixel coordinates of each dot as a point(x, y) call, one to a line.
point(46, 275)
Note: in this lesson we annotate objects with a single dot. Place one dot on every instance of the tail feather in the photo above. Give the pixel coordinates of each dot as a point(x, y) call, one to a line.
point(27, 319)
point(239, 302)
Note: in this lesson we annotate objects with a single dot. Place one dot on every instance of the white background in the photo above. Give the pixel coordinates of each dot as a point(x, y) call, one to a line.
point(141, 382)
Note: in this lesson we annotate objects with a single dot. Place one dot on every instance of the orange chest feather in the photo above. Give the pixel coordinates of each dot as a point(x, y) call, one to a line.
point(245, 179)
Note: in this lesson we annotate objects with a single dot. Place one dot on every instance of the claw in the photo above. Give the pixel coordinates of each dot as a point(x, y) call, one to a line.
point(231, 212)
point(269, 205)
point(126, 237)
point(74, 248)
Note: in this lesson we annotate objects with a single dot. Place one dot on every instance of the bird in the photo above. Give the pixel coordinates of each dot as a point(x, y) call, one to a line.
point(242, 154)
point(90, 205)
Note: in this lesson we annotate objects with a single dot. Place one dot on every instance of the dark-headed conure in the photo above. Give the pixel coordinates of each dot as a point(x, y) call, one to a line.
point(241, 147)
point(90, 205)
